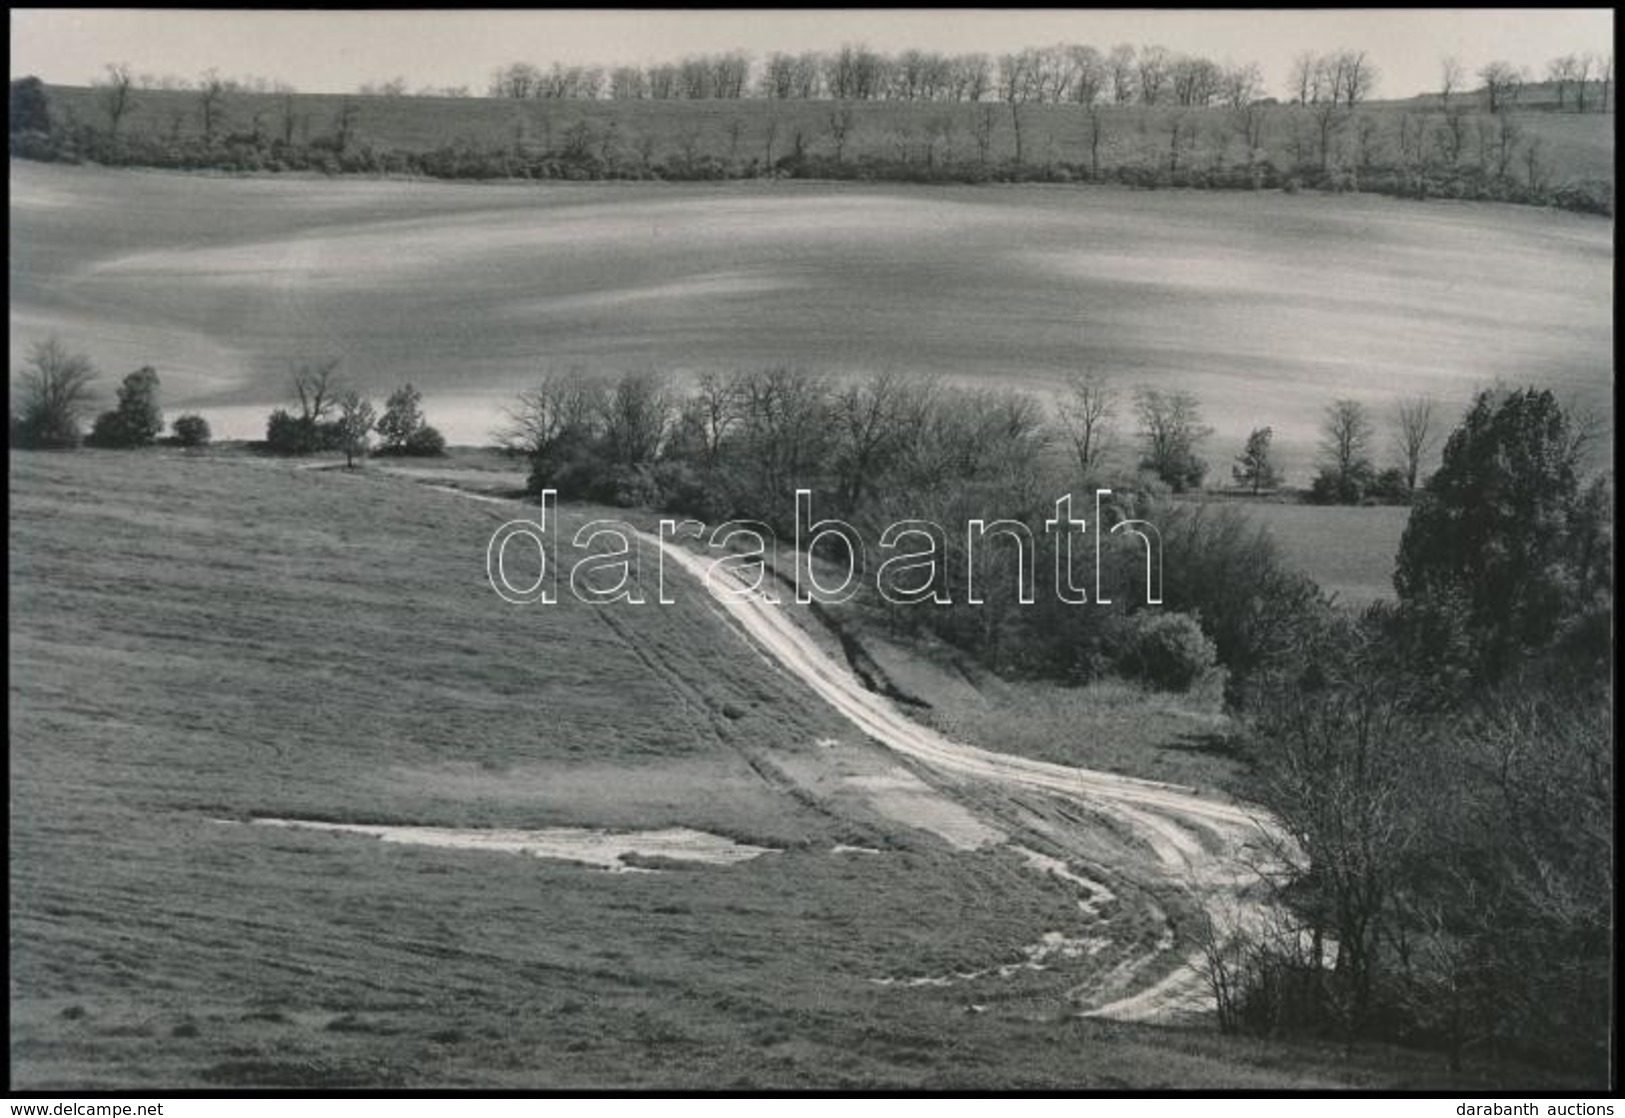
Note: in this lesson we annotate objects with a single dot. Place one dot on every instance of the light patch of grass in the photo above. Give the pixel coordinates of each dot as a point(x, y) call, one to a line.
point(1349, 551)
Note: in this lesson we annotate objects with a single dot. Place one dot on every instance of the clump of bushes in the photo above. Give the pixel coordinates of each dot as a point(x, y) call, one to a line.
point(286, 433)
point(192, 430)
point(402, 429)
point(137, 420)
point(1165, 649)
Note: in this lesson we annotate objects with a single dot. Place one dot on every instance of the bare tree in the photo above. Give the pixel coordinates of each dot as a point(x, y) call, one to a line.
point(518, 81)
point(1302, 83)
point(344, 124)
point(1532, 166)
point(635, 415)
point(211, 90)
point(1020, 78)
point(1086, 409)
point(718, 405)
point(1560, 72)
point(1452, 135)
point(1240, 86)
point(288, 118)
point(1345, 444)
point(1151, 72)
point(983, 124)
point(1120, 66)
point(1089, 74)
point(1582, 75)
point(52, 394)
point(316, 384)
point(770, 134)
point(114, 92)
point(563, 403)
point(873, 417)
point(1336, 773)
point(1096, 131)
point(1171, 428)
point(1414, 435)
point(1359, 77)
point(1329, 118)
point(840, 127)
point(1508, 131)
point(1451, 75)
point(1502, 83)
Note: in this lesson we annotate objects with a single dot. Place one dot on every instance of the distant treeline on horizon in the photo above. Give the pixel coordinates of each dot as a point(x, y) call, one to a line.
point(1059, 74)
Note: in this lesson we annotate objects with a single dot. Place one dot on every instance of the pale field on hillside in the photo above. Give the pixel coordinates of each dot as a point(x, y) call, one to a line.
point(1266, 306)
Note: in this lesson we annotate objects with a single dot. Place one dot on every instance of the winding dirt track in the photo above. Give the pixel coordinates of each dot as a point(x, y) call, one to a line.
point(1210, 849)
point(1204, 846)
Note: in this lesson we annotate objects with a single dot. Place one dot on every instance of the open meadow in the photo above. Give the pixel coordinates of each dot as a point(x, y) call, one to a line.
point(1265, 306)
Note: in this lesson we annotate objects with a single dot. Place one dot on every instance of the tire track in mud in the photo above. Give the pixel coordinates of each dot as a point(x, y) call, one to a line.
point(1209, 850)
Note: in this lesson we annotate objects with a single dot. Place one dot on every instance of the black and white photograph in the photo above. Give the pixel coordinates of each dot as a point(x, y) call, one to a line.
point(811, 550)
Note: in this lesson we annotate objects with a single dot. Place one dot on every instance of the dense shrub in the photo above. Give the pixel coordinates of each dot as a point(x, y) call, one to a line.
point(425, 442)
point(1222, 567)
point(192, 430)
point(29, 107)
point(137, 421)
point(108, 431)
point(1388, 487)
point(1165, 649)
point(286, 433)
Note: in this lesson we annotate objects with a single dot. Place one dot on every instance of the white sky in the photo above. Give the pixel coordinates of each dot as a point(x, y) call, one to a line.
point(336, 51)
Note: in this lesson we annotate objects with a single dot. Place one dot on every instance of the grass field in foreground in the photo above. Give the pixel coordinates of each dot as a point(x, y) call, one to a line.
point(198, 638)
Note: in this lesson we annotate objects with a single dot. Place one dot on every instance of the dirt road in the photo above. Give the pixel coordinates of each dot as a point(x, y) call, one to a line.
point(1201, 845)
point(1206, 848)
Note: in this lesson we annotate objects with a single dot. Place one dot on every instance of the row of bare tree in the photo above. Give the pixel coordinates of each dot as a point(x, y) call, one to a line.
point(1059, 74)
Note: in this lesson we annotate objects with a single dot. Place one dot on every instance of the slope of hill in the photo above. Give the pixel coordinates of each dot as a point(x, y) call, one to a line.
point(1265, 306)
point(489, 137)
point(198, 642)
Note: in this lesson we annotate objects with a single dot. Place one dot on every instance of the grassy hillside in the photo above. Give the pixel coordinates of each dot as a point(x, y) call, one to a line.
point(204, 638)
point(737, 133)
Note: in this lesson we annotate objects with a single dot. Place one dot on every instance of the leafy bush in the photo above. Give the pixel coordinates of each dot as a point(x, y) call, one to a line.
point(1388, 487)
point(1165, 649)
point(286, 433)
point(1333, 487)
point(108, 431)
point(425, 442)
point(1222, 567)
point(192, 430)
point(30, 106)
